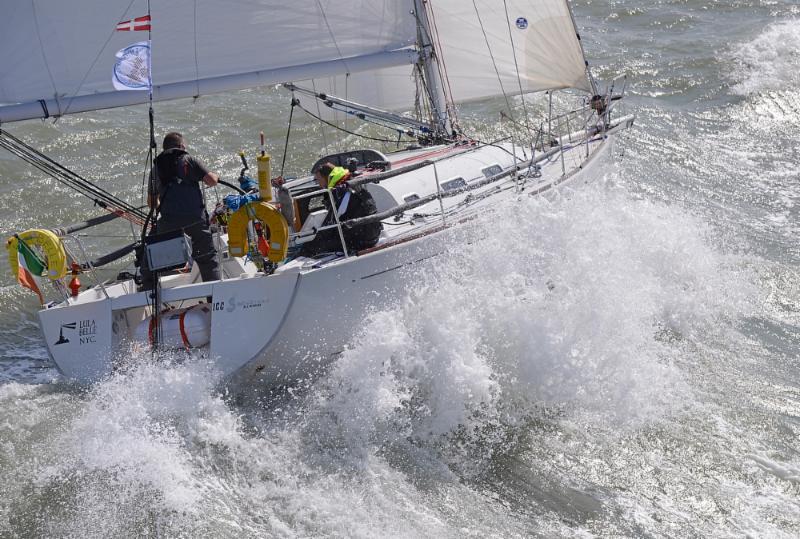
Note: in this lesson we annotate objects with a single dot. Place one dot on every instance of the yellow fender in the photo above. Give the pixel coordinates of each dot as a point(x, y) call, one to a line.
point(45, 242)
point(267, 214)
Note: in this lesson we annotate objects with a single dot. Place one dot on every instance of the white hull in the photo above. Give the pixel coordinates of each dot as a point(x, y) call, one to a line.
point(276, 329)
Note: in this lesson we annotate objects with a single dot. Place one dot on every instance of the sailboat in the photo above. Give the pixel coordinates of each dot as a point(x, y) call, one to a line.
point(275, 317)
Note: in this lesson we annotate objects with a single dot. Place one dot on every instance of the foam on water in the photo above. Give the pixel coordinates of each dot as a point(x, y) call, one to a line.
point(602, 363)
point(23, 356)
point(581, 303)
point(158, 451)
point(771, 61)
point(572, 311)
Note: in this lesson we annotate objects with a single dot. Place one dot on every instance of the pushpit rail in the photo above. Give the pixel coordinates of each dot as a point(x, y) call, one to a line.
point(81, 258)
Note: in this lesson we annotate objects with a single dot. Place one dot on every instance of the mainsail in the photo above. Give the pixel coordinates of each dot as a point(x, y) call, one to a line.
point(57, 57)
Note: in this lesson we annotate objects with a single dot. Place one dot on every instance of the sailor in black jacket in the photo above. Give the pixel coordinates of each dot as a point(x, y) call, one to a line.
point(351, 203)
point(176, 192)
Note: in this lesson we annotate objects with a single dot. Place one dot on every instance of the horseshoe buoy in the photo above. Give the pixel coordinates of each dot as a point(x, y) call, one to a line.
point(269, 216)
point(43, 241)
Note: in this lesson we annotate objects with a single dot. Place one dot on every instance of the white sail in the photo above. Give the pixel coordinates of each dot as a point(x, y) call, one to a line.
point(57, 59)
point(63, 53)
point(391, 88)
point(495, 47)
point(546, 54)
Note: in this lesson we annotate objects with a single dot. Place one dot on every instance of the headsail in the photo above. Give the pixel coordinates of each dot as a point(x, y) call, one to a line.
point(62, 54)
point(487, 48)
point(495, 47)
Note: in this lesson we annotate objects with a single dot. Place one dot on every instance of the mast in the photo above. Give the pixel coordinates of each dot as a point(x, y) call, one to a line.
point(431, 69)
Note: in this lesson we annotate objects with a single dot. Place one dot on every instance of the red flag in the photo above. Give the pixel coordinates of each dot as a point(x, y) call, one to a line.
point(134, 25)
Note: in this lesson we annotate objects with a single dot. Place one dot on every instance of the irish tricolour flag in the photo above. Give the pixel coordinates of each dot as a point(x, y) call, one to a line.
point(31, 268)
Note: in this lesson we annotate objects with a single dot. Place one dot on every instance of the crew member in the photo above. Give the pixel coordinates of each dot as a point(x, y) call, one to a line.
point(176, 194)
point(350, 203)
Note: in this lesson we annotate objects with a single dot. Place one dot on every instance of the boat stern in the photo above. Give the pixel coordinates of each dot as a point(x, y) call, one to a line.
point(79, 338)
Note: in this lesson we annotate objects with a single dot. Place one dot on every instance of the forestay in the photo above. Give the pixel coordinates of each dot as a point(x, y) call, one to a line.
point(63, 52)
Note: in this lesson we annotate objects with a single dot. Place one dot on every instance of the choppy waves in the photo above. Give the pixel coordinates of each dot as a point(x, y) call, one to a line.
point(771, 61)
point(574, 314)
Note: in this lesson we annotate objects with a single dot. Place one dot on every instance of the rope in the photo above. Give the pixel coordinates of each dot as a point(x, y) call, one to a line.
point(295, 102)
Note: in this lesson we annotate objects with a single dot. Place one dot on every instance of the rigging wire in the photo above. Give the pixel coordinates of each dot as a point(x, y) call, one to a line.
point(154, 299)
point(364, 118)
point(442, 68)
point(494, 63)
point(449, 109)
point(70, 179)
point(44, 57)
point(319, 112)
point(295, 102)
point(335, 44)
point(100, 53)
point(196, 61)
point(346, 94)
point(333, 35)
point(426, 104)
point(516, 68)
point(145, 176)
point(320, 119)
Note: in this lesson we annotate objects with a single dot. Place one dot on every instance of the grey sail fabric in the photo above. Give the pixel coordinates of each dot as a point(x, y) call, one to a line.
point(63, 52)
point(483, 42)
point(487, 48)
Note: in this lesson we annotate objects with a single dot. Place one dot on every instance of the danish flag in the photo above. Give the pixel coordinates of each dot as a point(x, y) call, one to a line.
point(134, 25)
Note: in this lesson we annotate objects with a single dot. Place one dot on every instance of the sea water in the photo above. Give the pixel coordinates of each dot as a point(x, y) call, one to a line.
point(624, 362)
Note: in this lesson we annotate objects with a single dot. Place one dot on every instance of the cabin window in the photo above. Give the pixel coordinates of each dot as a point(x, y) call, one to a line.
point(455, 183)
point(411, 197)
point(492, 170)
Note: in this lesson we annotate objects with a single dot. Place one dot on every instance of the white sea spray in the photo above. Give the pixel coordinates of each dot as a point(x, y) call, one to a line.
point(771, 61)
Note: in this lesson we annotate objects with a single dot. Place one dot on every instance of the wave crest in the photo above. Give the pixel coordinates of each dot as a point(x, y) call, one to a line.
point(771, 61)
